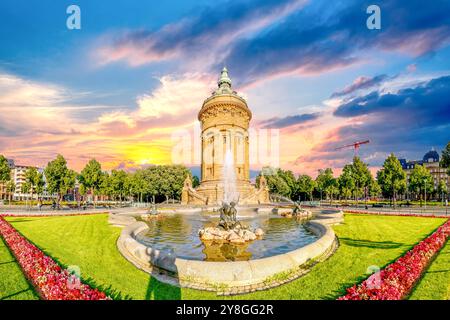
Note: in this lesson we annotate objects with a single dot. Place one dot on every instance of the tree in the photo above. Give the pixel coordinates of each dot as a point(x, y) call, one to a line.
point(305, 186)
point(174, 176)
point(442, 189)
point(40, 184)
point(275, 181)
point(138, 184)
point(421, 181)
point(392, 178)
point(55, 174)
point(128, 185)
point(91, 177)
point(374, 188)
point(157, 182)
point(445, 158)
point(32, 179)
point(5, 171)
point(195, 181)
point(118, 183)
point(69, 181)
point(106, 186)
point(10, 189)
point(324, 181)
point(346, 181)
point(25, 189)
point(289, 177)
point(82, 190)
point(332, 189)
point(277, 185)
point(361, 176)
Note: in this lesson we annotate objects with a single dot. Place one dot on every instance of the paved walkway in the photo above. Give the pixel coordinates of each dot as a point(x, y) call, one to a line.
point(23, 212)
point(429, 211)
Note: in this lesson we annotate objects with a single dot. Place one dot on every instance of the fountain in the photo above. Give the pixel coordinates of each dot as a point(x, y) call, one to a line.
point(191, 245)
point(229, 229)
point(230, 193)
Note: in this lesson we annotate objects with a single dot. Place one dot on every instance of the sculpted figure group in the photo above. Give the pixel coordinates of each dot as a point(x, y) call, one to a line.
point(228, 213)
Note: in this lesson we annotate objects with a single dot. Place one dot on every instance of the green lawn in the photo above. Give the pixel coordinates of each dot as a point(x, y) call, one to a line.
point(365, 241)
point(90, 243)
point(13, 284)
point(435, 284)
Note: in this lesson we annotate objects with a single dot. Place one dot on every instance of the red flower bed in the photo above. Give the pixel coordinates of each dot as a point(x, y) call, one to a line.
point(49, 279)
point(398, 278)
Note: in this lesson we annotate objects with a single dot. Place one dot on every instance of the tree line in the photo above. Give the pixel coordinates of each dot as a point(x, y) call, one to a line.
point(356, 182)
point(155, 183)
point(160, 183)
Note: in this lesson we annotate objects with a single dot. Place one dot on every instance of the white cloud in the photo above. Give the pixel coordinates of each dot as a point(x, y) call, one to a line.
point(175, 95)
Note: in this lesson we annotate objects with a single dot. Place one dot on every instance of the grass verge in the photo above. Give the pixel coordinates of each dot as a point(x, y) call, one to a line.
point(90, 243)
point(13, 284)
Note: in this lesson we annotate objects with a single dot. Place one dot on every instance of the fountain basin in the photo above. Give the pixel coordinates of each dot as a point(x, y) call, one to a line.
point(217, 275)
point(185, 236)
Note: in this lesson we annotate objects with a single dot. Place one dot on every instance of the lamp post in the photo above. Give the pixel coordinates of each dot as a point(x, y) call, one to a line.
point(446, 205)
point(442, 197)
point(425, 181)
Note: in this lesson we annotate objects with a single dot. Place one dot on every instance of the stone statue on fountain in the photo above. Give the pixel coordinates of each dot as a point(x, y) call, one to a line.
point(229, 229)
point(228, 214)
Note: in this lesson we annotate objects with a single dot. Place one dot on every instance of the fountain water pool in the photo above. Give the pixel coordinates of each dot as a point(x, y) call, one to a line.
point(177, 233)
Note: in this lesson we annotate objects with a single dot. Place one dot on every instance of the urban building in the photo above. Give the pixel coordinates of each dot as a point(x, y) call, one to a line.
point(430, 161)
point(18, 177)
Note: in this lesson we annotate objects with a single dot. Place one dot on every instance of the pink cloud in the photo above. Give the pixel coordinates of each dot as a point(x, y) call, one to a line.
point(190, 36)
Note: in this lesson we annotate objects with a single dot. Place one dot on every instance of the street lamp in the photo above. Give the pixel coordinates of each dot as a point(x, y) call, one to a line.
point(425, 181)
point(446, 205)
point(442, 197)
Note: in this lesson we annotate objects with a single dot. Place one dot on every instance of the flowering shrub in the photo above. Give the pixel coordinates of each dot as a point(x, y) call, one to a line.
point(398, 278)
point(49, 279)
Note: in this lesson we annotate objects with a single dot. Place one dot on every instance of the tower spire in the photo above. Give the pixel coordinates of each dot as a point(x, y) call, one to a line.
point(224, 79)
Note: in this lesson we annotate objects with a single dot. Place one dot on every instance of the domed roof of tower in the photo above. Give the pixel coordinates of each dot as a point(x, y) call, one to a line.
point(431, 156)
point(224, 79)
point(224, 83)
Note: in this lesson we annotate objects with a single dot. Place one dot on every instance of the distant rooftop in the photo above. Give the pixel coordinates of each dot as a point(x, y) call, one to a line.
point(431, 156)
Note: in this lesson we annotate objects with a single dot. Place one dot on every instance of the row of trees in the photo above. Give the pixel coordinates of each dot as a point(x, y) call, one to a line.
point(154, 183)
point(158, 183)
point(356, 181)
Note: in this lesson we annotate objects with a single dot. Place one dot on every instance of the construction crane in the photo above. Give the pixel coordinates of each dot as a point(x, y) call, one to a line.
point(354, 145)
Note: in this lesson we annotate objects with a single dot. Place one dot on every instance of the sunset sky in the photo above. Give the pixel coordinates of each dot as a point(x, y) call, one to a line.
point(138, 71)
